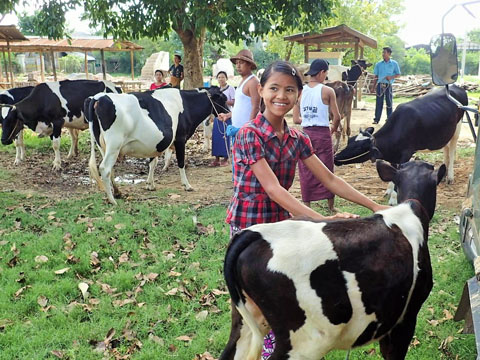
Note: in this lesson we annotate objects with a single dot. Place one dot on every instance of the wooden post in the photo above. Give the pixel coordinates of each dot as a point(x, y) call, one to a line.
point(1, 71)
point(53, 66)
point(86, 65)
point(356, 84)
point(104, 66)
point(12, 82)
point(5, 65)
point(359, 94)
point(131, 64)
point(305, 47)
point(42, 67)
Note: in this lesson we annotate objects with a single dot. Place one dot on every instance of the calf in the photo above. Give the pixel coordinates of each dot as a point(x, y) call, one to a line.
point(7, 99)
point(335, 284)
point(145, 125)
point(430, 122)
point(50, 107)
point(344, 95)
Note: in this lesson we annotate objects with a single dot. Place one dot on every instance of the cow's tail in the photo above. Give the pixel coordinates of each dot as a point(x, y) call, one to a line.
point(94, 126)
point(238, 244)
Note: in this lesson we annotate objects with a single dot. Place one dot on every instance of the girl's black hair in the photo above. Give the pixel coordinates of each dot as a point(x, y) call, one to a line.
point(283, 67)
point(160, 71)
point(222, 72)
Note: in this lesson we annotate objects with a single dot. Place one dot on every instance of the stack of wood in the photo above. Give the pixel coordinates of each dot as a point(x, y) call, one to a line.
point(410, 85)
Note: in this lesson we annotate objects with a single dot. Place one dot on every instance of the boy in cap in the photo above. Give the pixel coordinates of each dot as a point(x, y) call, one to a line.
point(313, 113)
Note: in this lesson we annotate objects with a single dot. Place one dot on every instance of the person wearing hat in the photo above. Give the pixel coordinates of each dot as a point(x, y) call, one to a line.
point(176, 72)
point(247, 98)
point(312, 111)
point(386, 71)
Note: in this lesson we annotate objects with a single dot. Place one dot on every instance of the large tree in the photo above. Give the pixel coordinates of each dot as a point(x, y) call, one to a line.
point(233, 20)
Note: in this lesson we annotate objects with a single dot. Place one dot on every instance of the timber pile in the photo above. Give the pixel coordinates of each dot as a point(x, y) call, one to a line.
point(410, 85)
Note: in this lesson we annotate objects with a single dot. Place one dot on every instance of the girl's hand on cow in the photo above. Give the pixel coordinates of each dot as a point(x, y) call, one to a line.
point(343, 215)
point(379, 207)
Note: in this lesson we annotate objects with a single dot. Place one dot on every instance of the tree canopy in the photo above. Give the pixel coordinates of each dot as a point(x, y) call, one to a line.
point(234, 20)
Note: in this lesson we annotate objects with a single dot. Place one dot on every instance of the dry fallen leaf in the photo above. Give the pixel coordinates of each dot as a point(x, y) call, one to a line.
point(62, 271)
point(172, 291)
point(202, 315)
point(184, 338)
point(205, 356)
point(120, 226)
point(156, 339)
point(84, 289)
point(42, 301)
point(41, 259)
point(123, 258)
point(59, 354)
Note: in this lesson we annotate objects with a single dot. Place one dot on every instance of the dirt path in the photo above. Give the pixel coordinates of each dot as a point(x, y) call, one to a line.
point(212, 185)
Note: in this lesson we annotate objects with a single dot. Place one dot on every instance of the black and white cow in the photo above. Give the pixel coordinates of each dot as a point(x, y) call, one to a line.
point(430, 122)
point(52, 106)
point(11, 97)
point(144, 125)
point(349, 75)
point(338, 284)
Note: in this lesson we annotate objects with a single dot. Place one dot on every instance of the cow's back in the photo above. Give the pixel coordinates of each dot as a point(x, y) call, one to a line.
point(427, 122)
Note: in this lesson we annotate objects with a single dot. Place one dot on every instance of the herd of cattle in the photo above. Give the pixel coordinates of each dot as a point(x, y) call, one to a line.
point(340, 280)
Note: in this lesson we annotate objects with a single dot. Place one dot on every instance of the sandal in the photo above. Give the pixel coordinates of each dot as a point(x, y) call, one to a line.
point(214, 163)
point(223, 162)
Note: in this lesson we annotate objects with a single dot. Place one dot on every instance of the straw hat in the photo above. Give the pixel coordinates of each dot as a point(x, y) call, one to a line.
point(245, 55)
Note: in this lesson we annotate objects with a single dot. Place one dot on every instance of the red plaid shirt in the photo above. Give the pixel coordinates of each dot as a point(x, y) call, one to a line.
point(257, 140)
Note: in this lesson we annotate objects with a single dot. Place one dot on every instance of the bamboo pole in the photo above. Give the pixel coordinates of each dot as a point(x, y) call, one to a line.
point(12, 82)
point(356, 84)
point(131, 64)
point(53, 65)
point(104, 66)
point(359, 94)
point(42, 67)
point(5, 65)
point(86, 65)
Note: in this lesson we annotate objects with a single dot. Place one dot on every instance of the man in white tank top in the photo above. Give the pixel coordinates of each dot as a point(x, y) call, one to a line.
point(312, 111)
point(247, 99)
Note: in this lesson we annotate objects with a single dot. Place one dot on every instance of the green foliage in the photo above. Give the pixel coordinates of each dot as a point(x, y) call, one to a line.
point(372, 18)
point(28, 24)
point(416, 62)
point(71, 64)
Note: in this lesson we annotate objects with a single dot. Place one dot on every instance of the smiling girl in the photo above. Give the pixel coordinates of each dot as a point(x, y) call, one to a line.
point(265, 154)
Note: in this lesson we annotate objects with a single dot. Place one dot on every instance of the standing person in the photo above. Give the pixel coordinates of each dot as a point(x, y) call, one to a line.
point(220, 141)
point(265, 155)
point(247, 100)
point(315, 101)
point(159, 81)
point(176, 72)
point(386, 71)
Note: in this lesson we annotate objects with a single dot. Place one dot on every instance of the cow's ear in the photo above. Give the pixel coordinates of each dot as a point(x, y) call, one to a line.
point(370, 130)
point(375, 153)
point(353, 62)
point(345, 75)
point(386, 171)
point(440, 173)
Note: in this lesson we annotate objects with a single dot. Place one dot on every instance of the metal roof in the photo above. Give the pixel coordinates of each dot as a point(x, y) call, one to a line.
point(10, 33)
point(337, 34)
point(35, 44)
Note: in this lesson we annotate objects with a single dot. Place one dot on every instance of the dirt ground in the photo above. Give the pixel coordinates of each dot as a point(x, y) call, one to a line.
point(212, 185)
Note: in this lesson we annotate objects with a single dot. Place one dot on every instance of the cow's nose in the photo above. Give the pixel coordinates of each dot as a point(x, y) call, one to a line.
point(6, 142)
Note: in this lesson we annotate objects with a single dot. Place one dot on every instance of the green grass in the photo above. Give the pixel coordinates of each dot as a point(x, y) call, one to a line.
point(158, 239)
point(113, 249)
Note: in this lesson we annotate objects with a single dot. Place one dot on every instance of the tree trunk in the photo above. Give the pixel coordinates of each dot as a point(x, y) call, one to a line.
point(192, 58)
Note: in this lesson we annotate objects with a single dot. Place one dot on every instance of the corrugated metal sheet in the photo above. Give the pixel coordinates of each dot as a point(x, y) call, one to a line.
point(42, 44)
point(10, 33)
